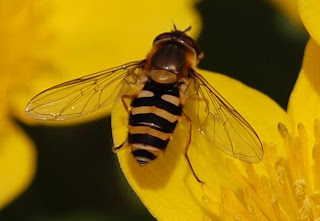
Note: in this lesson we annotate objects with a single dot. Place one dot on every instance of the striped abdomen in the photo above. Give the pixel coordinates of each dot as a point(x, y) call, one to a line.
point(153, 117)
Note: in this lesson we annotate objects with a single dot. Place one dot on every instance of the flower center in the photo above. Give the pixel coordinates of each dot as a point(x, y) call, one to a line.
point(285, 187)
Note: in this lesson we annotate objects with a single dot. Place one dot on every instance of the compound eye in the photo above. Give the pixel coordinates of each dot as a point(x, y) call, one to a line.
point(166, 35)
point(189, 41)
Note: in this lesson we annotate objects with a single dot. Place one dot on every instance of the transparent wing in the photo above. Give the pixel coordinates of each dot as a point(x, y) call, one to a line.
point(220, 123)
point(83, 95)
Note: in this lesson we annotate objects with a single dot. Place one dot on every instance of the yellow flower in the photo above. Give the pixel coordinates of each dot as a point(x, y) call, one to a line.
point(285, 186)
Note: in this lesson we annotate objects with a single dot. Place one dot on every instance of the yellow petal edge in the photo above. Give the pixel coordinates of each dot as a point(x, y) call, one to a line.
point(17, 163)
point(304, 103)
point(310, 15)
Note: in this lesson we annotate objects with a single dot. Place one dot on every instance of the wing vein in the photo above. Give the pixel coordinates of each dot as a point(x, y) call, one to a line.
point(83, 95)
point(221, 124)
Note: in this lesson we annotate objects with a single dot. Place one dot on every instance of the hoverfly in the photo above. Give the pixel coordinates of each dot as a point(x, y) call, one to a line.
point(166, 82)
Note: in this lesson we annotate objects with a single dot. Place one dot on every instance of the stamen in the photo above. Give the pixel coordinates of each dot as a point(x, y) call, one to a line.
point(282, 191)
point(317, 130)
point(299, 187)
point(305, 210)
point(316, 159)
point(283, 130)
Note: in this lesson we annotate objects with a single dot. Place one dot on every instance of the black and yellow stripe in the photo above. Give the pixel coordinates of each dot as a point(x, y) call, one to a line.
point(153, 117)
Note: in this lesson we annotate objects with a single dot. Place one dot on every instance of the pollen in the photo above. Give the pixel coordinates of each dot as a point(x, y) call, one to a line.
point(287, 187)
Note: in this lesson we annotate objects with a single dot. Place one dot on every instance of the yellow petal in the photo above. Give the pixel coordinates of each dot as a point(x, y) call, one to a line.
point(17, 163)
point(24, 66)
point(304, 103)
point(310, 15)
point(167, 186)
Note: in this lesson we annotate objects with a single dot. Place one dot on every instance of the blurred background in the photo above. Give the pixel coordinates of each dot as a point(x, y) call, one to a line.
point(78, 176)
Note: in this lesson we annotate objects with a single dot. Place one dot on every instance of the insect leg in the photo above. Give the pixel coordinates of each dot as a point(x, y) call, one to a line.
point(115, 148)
point(129, 97)
point(127, 107)
point(188, 145)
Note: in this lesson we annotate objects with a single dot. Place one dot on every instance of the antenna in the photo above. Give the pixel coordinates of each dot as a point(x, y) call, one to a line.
point(187, 29)
point(176, 29)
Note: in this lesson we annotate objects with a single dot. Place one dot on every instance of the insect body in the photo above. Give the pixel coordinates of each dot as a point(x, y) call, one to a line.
point(153, 117)
point(169, 83)
point(157, 108)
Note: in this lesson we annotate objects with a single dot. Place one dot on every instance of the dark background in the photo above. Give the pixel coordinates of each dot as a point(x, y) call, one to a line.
point(78, 176)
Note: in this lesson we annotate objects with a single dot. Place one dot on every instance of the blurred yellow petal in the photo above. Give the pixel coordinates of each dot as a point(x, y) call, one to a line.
point(19, 34)
point(23, 38)
point(112, 33)
point(17, 163)
point(17, 156)
point(167, 186)
point(310, 15)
